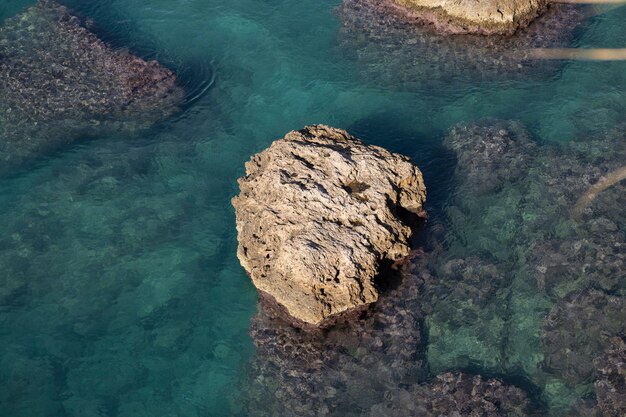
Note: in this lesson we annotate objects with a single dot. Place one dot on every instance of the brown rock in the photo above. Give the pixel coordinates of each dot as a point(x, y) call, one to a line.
point(472, 16)
point(318, 213)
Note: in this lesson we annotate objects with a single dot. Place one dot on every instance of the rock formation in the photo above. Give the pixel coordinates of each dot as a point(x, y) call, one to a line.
point(396, 49)
point(58, 82)
point(507, 284)
point(347, 368)
point(471, 16)
point(318, 214)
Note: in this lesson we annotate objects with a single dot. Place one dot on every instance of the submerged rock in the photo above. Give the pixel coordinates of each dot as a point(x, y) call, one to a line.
point(58, 81)
point(346, 369)
point(611, 379)
point(491, 154)
point(396, 49)
point(470, 16)
point(511, 250)
point(455, 394)
point(318, 215)
point(578, 330)
point(561, 266)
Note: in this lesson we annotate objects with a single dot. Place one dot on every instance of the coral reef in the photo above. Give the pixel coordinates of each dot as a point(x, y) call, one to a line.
point(59, 82)
point(319, 214)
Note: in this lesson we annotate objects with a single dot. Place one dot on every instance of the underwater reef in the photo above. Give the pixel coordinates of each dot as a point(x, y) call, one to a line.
point(397, 50)
point(318, 215)
point(488, 296)
point(59, 82)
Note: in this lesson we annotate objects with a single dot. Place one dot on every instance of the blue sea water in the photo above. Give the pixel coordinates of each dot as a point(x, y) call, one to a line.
point(124, 296)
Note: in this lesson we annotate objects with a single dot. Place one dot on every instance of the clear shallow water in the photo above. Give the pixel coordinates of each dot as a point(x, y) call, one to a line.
point(121, 291)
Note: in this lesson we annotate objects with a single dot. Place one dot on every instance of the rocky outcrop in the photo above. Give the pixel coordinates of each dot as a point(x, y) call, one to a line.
point(401, 51)
point(58, 82)
point(319, 212)
point(347, 368)
point(508, 284)
point(470, 16)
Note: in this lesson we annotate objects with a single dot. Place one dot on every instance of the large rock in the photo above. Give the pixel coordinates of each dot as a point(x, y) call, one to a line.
point(477, 16)
point(59, 82)
point(318, 214)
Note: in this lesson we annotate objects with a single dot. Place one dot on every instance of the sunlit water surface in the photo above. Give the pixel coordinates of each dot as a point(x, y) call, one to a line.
point(122, 294)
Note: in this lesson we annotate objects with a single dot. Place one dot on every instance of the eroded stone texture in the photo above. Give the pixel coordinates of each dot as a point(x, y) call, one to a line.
point(455, 394)
point(578, 330)
point(58, 82)
point(471, 16)
point(318, 213)
point(482, 285)
point(396, 49)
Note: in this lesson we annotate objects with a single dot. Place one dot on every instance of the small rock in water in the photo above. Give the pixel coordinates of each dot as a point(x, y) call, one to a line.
point(58, 81)
point(318, 215)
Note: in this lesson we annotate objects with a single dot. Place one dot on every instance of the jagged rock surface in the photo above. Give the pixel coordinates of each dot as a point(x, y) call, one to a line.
point(317, 215)
point(58, 81)
point(471, 16)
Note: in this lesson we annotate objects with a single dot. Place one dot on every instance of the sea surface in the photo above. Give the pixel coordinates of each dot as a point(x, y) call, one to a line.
point(121, 293)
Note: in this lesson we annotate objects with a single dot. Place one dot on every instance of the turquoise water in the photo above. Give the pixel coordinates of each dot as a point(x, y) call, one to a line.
point(120, 290)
